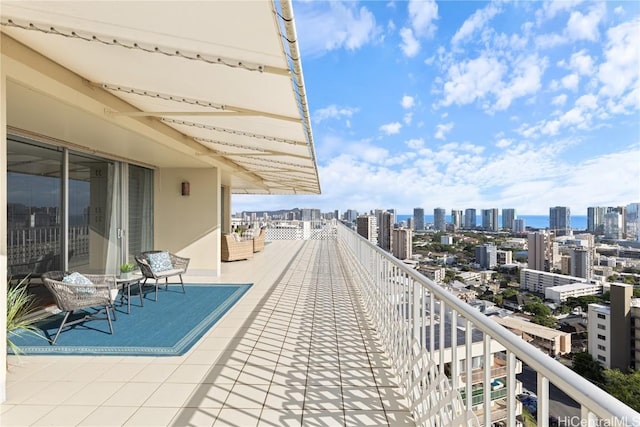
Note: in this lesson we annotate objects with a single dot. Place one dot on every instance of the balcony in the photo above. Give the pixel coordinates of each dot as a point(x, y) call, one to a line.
point(334, 332)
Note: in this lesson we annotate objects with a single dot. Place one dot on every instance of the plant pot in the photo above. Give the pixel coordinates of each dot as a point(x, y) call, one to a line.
point(127, 275)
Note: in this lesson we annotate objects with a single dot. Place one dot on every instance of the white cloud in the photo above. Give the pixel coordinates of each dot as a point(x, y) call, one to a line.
point(333, 112)
point(410, 45)
point(407, 118)
point(559, 100)
point(391, 128)
point(407, 102)
point(475, 22)
point(327, 26)
point(582, 63)
point(570, 81)
point(422, 13)
point(619, 72)
point(504, 142)
point(585, 27)
point(589, 102)
point(551, 7)
point(443, 129)
point(415, 144)
point(472, 79)
point(547, 41)
point(526, 81)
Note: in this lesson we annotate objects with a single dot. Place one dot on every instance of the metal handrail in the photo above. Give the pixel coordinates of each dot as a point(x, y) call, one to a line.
point(378, 266)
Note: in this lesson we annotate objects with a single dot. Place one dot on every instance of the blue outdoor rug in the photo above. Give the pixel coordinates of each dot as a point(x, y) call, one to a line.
point(168, 327)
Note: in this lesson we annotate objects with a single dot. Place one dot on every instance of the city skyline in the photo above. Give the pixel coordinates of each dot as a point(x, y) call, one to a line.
point(430, 212)
point(488, 104)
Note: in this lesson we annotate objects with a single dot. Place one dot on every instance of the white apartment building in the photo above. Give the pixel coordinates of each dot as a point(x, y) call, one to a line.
point(599, 332)
point(538, 281)
point(446, 240)
point(504, 257)
point(436, 274)
point(572, 290)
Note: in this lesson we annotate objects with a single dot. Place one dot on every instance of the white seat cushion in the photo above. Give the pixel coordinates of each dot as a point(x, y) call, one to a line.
point(167, 273)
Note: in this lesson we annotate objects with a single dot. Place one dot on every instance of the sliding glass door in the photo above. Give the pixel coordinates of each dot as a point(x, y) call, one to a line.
point(73, 211)
point(94, 220)
point(34, 209)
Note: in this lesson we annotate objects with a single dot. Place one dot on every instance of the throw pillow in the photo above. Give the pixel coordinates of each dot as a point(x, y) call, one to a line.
point(76, 279)
point(160, 261)
point(236, 237)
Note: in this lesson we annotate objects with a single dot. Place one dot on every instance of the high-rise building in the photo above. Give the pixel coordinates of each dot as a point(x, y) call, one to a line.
point(402, 243)
point(487, 255)
point(394, 219)
point(490, 219)
point(535, 251)
point(519, 225)
point(456, 218)
point(595, 219)
point(633, 221)
point(508, 217)
point(613, 328)
point(439, 219)
point(470, 219)
point(351, 216)
point(310, 214)
point(560, 220)
point(385, 226)
point(581, 263)
point(418, 219)
point(367, 228)
point(613, 225)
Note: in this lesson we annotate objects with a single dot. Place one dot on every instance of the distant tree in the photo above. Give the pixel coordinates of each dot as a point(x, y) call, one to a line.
point(624, 387)
point(537, 309)
point(636, 292)
point(498, 299)
point(584, 365)
point(509, 293)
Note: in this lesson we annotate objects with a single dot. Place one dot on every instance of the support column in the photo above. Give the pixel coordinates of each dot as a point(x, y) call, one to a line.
point(3, 230)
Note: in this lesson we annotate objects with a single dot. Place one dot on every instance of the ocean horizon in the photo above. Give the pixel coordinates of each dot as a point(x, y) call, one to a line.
point(578, 222)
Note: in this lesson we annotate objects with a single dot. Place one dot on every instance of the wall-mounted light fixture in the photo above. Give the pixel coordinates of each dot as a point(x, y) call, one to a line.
point(186, 188)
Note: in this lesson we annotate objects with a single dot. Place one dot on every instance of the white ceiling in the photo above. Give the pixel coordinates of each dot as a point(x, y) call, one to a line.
point(215, 71)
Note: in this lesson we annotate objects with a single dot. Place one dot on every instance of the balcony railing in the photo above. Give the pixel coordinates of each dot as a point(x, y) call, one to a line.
point(407, 308)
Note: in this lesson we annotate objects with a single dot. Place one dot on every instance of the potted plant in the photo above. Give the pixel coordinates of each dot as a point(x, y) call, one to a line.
point(126, 269)
point(21, 314)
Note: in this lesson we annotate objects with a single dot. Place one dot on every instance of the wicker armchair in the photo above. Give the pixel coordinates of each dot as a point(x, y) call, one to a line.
point(233, 250)
point(70, 297)
point(177, 267)
point(258, 241)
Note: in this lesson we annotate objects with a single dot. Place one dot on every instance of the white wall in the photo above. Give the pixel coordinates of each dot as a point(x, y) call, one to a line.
point(189, 225)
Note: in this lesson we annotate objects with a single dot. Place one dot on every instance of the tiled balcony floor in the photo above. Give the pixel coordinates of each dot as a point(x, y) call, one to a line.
point(296, 350)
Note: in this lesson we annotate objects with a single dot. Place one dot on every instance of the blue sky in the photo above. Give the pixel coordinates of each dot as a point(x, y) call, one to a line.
point(470, 104)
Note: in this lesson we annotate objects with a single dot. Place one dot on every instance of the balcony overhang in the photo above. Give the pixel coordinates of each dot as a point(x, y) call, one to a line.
point(224, 76)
